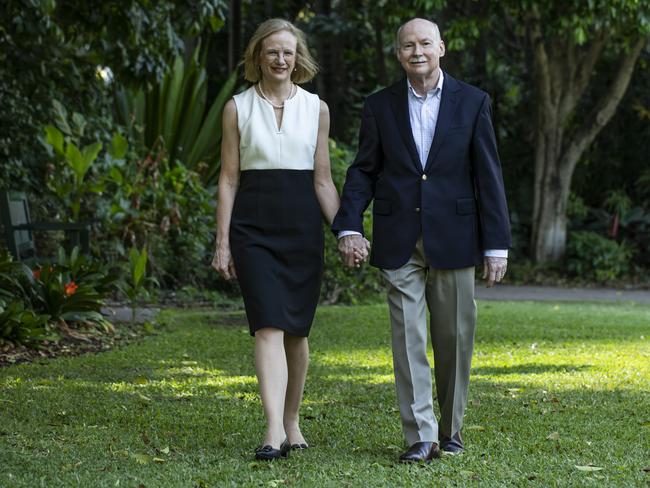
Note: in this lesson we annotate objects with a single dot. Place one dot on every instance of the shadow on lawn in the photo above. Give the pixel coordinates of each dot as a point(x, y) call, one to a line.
point(530, 368)
point(340, 404)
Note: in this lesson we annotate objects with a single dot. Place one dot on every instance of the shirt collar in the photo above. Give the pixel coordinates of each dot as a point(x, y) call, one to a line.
point(433, 92)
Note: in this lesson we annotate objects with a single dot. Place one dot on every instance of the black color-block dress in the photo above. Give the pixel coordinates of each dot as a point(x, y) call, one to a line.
point(276, 232)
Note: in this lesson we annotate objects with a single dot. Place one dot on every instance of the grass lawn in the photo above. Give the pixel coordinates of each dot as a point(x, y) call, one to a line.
point(560, 396)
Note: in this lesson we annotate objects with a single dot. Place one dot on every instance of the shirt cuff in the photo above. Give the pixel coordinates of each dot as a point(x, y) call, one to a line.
point(344, 233)
point(496, 253)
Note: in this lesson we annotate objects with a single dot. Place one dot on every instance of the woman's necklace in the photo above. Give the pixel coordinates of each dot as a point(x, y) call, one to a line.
point(259, 86)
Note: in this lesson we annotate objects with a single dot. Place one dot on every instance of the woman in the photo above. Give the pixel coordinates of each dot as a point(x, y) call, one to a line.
point(274, 183)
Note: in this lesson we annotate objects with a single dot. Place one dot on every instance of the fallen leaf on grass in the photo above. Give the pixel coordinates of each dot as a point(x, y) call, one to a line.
point(645, 424)
point(588, 468)
point(142, 458)
point(165, 450)
point(474, 427)
point(553, 436)
point(274, 483)
point(144, 398)
point(158, 460)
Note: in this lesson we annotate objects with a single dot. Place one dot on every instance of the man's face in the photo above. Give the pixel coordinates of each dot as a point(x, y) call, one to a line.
point(420, 49)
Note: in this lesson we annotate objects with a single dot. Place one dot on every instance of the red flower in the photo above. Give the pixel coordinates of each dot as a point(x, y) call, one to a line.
point(37, 273)
point(70, 288)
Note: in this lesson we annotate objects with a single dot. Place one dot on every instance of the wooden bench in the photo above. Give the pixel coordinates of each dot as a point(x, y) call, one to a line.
point(18, 227)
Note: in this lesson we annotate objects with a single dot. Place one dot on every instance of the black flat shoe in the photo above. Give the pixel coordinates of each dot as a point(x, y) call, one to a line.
point(420, 452)
point(269, 453)
point(299, 447)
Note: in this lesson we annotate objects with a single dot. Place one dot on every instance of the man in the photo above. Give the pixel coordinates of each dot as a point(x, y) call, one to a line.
point(427, 156)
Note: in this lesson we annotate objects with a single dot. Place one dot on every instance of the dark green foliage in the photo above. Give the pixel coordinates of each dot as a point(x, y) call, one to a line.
point(34, 302)
point(132, 286)
point(59, 296)
point(594, 257)
point(128, 190)
point(150, 201)
point(340, 283)
point(52, 50)
point(19, 325)
point(173, 114)
point(635, 229)
point(72, 161)
point(16, 279)
point(59, 51)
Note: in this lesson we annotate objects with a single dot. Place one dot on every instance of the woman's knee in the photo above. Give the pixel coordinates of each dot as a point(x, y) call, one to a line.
point(269, 335)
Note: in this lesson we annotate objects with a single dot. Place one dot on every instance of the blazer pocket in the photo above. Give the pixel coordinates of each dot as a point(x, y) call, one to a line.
point(465, 206)
point(381, 207)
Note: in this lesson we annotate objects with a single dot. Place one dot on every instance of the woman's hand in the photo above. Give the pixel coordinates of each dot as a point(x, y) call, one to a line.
point(223, 263)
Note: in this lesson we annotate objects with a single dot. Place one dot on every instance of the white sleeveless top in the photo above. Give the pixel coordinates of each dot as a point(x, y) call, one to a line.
point(263, 146)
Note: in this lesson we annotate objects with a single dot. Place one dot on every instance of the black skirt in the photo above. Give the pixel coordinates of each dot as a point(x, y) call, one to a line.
point(276, 240)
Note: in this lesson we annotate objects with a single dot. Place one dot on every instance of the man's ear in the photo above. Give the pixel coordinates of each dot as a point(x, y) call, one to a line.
point(442, 48)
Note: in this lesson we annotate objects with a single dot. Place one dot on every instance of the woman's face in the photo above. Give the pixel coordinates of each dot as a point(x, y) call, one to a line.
point(278, 56)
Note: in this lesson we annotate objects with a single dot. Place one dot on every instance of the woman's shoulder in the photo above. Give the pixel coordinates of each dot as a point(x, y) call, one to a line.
point(248, 93)
point(312, 98)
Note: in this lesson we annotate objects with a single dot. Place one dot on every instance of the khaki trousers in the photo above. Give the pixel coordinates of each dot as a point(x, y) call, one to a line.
point(449, 296)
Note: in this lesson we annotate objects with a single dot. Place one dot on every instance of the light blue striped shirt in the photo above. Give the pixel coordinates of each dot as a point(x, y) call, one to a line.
point(423, 113)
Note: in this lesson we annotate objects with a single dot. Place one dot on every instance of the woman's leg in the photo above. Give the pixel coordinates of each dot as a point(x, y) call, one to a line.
point(271, 368)
point(297, 350)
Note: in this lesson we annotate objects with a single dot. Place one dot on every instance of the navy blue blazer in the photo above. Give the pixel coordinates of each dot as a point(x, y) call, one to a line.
point(456, 203)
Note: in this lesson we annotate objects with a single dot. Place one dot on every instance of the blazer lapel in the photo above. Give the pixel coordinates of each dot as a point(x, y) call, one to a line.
point(448, 104)
point(401, 110)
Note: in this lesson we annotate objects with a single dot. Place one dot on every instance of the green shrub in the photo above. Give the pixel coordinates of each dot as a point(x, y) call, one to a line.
point(16, 279)
point(19, 325)
point(57, 294)
point(133, 286)
point(34, 303)
point(340, 283)
point(174, 113)
point(593, 257)
point(150, 201)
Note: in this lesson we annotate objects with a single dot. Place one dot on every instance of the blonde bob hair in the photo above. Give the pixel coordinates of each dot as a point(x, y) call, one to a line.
point(305, 68)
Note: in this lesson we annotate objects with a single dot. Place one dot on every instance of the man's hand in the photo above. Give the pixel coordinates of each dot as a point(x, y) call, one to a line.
point(354, 250)
point(494, 269)
point(223, 263)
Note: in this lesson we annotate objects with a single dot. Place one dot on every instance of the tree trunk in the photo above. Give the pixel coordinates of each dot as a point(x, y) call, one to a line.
point(332, 76)
point(562, 75)
point(234, 34)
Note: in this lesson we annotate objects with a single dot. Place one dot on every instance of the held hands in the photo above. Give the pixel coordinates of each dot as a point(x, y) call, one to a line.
point(354, 250)
point(494, 269)
point(223, 263)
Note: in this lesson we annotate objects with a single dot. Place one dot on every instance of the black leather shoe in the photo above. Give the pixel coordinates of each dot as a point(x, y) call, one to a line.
point(420, 452)
point(269, 453)
point(299, 447)
point(451, 445)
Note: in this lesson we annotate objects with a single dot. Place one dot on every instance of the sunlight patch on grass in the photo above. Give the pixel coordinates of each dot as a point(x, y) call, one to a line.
point(556, 392)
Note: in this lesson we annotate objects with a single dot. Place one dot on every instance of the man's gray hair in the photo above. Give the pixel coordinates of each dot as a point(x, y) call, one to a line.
point(436, 30)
